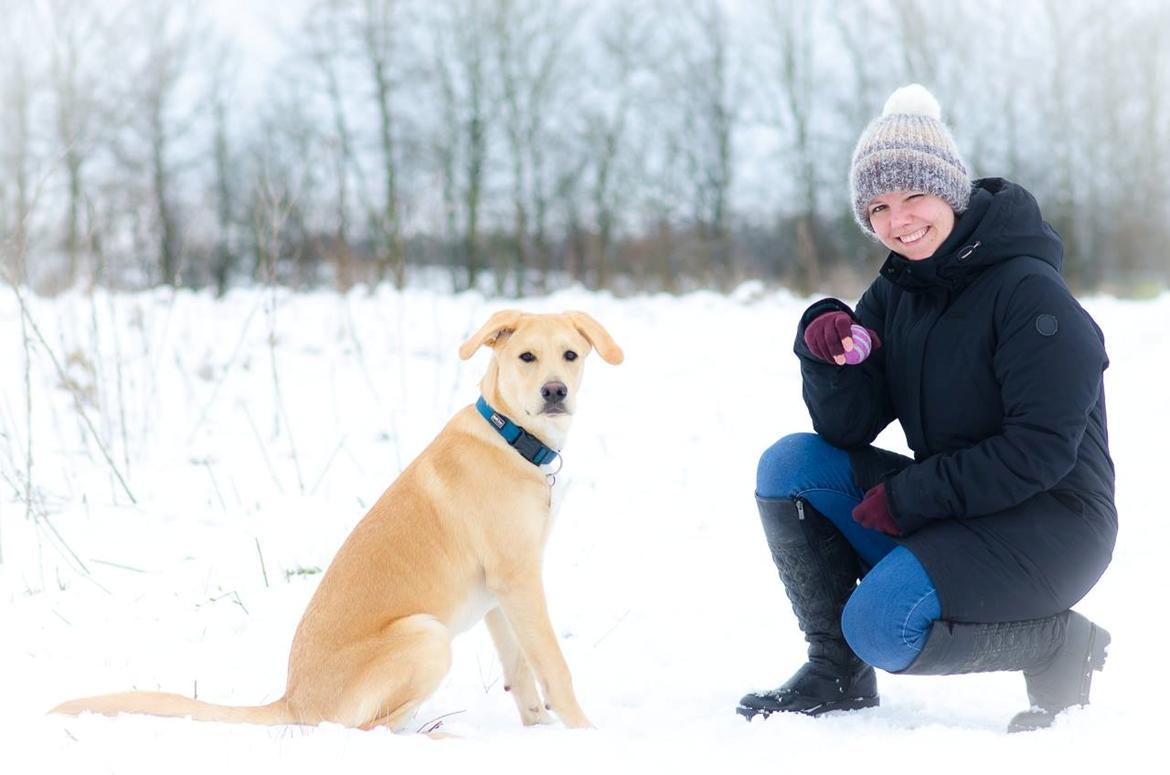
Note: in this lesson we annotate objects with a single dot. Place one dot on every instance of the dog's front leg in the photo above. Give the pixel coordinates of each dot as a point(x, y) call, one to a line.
point(518, 678)
point(522, 601)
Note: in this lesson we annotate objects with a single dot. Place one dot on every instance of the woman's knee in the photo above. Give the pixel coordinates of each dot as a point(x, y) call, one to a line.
point(782, 469)
point(889, 615)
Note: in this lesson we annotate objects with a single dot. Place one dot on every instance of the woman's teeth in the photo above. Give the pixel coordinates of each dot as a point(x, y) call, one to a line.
point(913, 237)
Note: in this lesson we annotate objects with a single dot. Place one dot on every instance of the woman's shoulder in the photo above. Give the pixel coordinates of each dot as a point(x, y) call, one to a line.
point(1029, 288)
point(1024, 280)
point(1018, 269)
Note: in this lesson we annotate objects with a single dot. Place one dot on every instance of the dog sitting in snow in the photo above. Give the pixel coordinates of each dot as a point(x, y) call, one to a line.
point(456, 538)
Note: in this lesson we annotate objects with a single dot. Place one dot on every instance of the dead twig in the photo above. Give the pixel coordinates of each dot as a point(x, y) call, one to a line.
point(214, 483)
point(226, 370)
point(235, 596)
point(621, 619)
point(328, 465)
point(119, 566)
point(263, 448)
point(430, 726)
point(263, 570)
point(26, 315)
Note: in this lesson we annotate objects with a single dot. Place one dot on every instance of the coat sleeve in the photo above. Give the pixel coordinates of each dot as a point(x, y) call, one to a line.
point(1049, 360)
point(849, 405)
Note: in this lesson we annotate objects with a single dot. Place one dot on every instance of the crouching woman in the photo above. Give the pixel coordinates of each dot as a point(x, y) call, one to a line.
point(971, 554)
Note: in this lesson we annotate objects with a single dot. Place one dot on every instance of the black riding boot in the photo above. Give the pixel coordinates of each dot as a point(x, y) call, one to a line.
point(819, 570)
point(1057, 655)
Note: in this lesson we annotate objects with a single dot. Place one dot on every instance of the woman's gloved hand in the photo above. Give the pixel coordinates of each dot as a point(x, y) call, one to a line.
point(835, 338)
point(874, 512)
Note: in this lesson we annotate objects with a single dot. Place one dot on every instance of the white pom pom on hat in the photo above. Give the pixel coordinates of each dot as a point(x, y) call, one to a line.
point(907, 148)
point(915, 100)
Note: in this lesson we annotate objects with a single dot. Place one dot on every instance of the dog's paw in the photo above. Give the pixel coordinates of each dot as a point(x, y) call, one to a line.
point(536, 715)
point(578, 722)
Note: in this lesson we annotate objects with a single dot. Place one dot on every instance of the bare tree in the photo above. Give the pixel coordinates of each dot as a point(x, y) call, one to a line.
point(789, 25)
point(16, 95)
point(445, 145)
point(1059, 110)
point(624, 37)
point(509, 53)
point(79, 47)
point(860, 29)
point(285, 163)
point(220, 98)
point(377, 27)
point(1150, 61)
point(459, 31)
point(324, 33)
point(1123, 97)
point(168, 33)
point(531, 41)
point(703, 82)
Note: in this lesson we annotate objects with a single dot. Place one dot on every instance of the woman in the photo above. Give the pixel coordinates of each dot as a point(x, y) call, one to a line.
point(971, 554)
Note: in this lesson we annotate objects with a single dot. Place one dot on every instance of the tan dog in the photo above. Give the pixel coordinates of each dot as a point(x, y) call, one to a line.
point(457, 537)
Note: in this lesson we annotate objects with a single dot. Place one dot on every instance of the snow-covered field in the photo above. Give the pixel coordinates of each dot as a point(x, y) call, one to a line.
point(253, 432)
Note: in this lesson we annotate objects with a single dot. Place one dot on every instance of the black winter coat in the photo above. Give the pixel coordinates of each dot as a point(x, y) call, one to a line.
point(995, 373)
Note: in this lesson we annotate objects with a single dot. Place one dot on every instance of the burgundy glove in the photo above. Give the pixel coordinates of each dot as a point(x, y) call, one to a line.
point(825, 336)
point(874, 512)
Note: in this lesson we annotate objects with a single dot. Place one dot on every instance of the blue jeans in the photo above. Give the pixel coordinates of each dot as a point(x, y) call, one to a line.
point(889, 615)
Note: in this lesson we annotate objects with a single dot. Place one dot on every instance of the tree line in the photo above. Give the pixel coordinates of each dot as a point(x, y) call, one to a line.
point(521, 145)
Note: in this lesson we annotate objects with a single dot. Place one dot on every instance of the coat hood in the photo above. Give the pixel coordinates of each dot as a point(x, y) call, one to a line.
point(1002, 221)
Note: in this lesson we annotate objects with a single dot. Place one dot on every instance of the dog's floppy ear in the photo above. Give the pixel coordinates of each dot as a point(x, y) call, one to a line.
point(502, 322)
point(598, 337)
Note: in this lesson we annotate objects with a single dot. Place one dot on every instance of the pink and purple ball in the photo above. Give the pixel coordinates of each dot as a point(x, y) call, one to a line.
point(861, 346)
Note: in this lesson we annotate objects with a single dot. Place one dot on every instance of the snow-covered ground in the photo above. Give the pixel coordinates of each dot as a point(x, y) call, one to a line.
point(253, 432)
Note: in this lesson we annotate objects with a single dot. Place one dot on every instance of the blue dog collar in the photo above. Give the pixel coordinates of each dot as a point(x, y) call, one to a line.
point(530, 448)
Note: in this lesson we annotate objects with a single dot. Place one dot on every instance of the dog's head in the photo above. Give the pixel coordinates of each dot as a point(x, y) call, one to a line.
point(537, 364)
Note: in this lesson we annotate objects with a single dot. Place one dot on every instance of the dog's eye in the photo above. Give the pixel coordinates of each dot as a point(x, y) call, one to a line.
point(527, 357)
point(570, 355)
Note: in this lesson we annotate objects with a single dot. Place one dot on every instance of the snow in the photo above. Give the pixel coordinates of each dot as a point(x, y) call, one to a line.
point(254, 431)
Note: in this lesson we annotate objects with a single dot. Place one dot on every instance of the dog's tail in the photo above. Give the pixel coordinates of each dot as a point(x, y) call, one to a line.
point(176, 705)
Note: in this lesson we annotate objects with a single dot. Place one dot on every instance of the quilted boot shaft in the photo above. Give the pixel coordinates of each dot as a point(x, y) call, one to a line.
point(958, 647)
point(819, 570)
point(1057, 655)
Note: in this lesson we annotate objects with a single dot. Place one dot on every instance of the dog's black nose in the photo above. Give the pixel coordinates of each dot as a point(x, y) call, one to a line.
point(554, 392)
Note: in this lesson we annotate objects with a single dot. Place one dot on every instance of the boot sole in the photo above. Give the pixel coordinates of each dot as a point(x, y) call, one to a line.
point(855, 703)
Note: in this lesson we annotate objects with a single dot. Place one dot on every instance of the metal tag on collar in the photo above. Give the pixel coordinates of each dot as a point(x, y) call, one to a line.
point(552, 475)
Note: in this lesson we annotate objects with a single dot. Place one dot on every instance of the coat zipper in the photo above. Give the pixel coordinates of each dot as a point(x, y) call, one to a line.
point(826, 578)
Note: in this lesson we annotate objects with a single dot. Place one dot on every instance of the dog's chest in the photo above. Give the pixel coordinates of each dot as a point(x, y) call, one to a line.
point(479, 601)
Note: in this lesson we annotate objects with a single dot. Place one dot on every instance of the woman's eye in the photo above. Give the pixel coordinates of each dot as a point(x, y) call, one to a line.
point(527, 357)
point(876, 209)
point(570, 355)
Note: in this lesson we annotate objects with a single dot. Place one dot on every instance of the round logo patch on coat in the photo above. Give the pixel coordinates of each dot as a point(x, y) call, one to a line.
point(1046, 324)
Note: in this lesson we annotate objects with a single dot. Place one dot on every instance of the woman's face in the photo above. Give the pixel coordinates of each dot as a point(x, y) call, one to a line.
point(911, 223)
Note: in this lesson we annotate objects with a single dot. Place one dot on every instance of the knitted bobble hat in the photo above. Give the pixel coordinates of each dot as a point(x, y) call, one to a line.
point(908, 148)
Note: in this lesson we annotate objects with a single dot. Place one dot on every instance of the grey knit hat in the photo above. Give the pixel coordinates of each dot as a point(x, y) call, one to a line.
point(908, 148)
